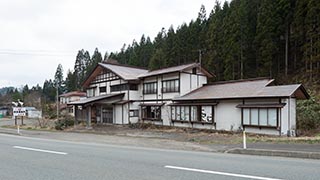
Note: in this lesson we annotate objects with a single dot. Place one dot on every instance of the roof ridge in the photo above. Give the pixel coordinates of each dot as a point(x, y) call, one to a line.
point(123, 65)
point(238, 81)
point(172, 66)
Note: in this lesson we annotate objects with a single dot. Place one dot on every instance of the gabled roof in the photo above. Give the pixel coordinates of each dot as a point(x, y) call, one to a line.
point(132, 73)
point(245, 89)
point(180, 68)
point(125, 72)
point(73, 93)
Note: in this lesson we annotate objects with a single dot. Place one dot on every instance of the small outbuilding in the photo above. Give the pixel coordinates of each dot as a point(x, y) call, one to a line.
point(254, 105)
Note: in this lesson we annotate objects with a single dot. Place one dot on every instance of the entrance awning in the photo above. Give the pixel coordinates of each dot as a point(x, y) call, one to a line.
point(108, 98)
point(193, 104)
point(278, 105)
point(151, 104)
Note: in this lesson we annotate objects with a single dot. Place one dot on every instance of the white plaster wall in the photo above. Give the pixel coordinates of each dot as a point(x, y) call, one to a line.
point(269, 131)
point(184, 84)
point(134, 95)
point(182, 124)
point(165, 114)
point(284, 117)
point(227, 115)
point(117, 114)
point(203, 126)
point(170, 95)
point(202, 80)
point(259, 101)
point(293, 118)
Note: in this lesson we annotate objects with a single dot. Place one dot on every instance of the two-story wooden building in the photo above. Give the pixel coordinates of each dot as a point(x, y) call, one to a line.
point(180, 96)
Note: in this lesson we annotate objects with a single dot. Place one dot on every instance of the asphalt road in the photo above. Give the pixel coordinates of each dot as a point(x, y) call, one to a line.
point(32, 158)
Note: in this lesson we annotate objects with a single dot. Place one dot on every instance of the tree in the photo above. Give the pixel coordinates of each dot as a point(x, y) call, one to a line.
point(157, 61)
point(71, 81)
point(95, 59)
point(58, 79)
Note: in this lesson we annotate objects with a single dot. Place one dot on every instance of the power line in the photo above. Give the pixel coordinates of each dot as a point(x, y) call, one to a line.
point(34, 54)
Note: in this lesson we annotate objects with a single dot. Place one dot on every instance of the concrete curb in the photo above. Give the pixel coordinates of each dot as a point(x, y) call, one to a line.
point(280, 153)
point(9, 131)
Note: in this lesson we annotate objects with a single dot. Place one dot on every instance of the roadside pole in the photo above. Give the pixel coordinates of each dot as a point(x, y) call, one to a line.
point(18, 129)
point(244, 140)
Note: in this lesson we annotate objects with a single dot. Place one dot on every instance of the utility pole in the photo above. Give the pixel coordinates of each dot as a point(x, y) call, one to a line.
point(200, 56)
point(57, 100)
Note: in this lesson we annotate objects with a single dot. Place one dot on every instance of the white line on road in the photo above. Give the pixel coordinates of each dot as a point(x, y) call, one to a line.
point(221, 173)
point(40, 150)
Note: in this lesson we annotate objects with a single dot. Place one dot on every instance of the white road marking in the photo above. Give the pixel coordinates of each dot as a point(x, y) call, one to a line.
point(221, 173)
point(40, 150)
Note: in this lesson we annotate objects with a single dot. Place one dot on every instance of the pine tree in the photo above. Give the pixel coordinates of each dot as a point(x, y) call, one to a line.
point(157, 61)
point(95, 59)
point(70, 82)
point(58, 79)
point(311, 46)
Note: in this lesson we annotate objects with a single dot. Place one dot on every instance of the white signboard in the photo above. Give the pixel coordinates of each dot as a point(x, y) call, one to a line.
point(19, 111)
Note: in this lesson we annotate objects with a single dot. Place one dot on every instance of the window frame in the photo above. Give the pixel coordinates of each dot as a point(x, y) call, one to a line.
point(104, 89)
point(167, 86)
point(123, 87)
point(149, 89)
point(145, 111)
point(259, 117)
point(134, 113)
point(198, 116)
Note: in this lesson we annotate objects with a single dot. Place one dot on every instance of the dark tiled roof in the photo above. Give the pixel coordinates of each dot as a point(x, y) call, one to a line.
point(245, 89)
point(125, 72)
point(73, 93)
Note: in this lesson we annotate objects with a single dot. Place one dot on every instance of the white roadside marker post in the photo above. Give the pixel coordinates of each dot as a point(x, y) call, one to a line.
point(244, 140)
point(18, 129)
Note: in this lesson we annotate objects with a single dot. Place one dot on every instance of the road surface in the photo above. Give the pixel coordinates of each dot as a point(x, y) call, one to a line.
point(33, 158)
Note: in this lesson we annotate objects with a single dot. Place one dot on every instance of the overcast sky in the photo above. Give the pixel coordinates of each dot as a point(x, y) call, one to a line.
point(37, 35)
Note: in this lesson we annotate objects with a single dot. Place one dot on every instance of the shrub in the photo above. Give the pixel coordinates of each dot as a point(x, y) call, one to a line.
point(308, 114)
point(64, 122)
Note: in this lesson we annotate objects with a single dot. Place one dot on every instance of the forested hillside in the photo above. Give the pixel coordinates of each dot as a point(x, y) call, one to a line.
point(240, 39)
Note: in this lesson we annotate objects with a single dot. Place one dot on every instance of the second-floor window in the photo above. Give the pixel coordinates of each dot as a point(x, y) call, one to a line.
point(123, 87)
point(171, 86)
point(91, 92)
point(150, 88)
point(103, 89)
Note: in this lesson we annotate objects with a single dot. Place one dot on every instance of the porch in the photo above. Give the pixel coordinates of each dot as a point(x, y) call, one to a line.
point(99, 109)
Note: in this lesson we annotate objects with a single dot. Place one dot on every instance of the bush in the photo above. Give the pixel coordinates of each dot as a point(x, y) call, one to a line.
point(64, 122)
point(308, 114)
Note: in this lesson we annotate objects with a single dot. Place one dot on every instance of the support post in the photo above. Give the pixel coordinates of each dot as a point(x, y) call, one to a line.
point(21, 120)
point(89, 117)
point(244, 140)
point(15, 120)
point(75, 115)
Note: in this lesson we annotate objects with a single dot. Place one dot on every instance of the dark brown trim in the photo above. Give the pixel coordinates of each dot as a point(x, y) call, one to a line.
point(148, 100)
point(152, 104)
point(193, 104)
point(260, 126)
point(231, 98)
point(281, 105)
point(194, 74)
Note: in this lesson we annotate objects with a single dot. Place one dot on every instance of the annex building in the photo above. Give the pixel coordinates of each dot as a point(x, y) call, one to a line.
point(180, 96)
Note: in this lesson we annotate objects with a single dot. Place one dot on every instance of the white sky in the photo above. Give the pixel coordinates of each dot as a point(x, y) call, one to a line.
point(37, 35)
